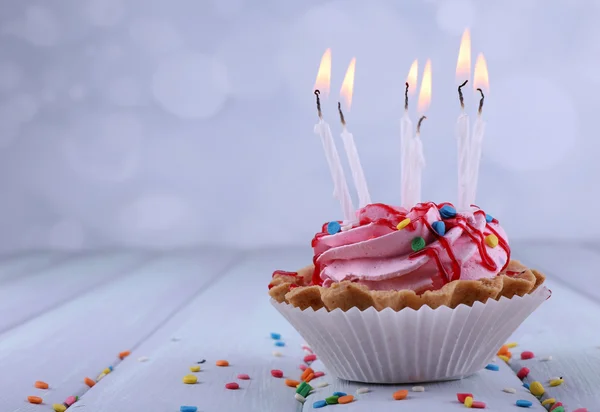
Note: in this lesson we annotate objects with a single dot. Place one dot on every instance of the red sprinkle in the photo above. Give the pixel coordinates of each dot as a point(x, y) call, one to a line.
point(276, 373)
point(581, 410)
point(319, 374)
point(527, 355)
point(478, 405)
point(232, 385)
point(462, 396)
point(523, 372)
point(303, 367)
point(556, 405)
point(243, 376)
point(306, 348)
point(310, 358)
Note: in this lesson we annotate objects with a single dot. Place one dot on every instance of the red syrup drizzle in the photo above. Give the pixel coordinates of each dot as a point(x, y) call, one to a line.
point(283, 273)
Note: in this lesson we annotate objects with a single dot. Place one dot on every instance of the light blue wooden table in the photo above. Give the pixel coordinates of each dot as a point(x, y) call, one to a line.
point(67, 317)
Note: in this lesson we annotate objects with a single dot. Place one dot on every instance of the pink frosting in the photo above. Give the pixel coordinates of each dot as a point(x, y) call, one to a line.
point(378, 255)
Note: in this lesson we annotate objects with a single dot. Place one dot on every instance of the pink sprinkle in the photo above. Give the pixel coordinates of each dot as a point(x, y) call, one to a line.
point(527, 355)
point(581, 410)
point(243, 376)
point(303, 367)
point(310, 358)
point(306, 348)
point(319, 374)
point(478, 405)
point(277, 373)
point(70, 400)
point(523, 372)
point(232, 385)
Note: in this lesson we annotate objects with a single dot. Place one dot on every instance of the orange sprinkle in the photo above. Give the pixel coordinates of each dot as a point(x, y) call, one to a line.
point(309, 378)
point(124, 354)
point(222, 363)
point(508, 354)
point(398, 395)
point(345, 399)
point(34, 399)
point(40, 385)
point(503, 350)
point(306, 372)
point(292, 383)
point(89, 382)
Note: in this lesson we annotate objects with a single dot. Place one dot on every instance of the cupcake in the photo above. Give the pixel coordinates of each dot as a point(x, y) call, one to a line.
point(409, 295)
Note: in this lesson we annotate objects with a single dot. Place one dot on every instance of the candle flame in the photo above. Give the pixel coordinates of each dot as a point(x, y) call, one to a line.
point(480, 78)
point(411, 79)
point(463, 65)
point(348, 84)
point(324, 74)
point(425, 93)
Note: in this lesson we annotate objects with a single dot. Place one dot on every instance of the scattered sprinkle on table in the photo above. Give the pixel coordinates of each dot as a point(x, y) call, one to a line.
point(222, 363)
point(468, 401)
point(360, 391)
point(276, 373)
point(462, 396)
point(243, 376)
point(319, 374)
point(142, 359)
point(504, 358)
point(527, 355)
point(345, 399)
point(188, 409)
point(537, 389)
point(89, 382)
point(190, 379)
point(232, 385)
point(510, 390)
point(492, 367)
point(478, 405)
point(526, 386)
point(549, 401)
point(70, 400)
point(512, 345)
point(306, 372)
point(59, 407)
point(34, 399)
point(124, 354)
point(524, 403)
point(309, 377)
point(304, 389)
point(503, 350)
point(557, 407)
point(332, 400)
point(277, 353)
point(523, 372)
point(305, 347)
point(40, 385)
point(310, 358)
point(581, 410)
point(299, 398)
point(418, 389)
point(195, 368)
point(292, 383)
point(546, 358)
point(202, 361)
point(323, 384)
point(556, 382)
point(400, 395)
point(280, 343)
point(275, 336)
point(303, 367)
point(339, 394)
point(319, 404)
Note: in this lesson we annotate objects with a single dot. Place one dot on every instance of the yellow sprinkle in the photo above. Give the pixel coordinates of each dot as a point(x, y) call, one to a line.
point(504, 358)
point(195, 368)
point(512, 345)
point(556, 382)
point(106, 371)
point(59, 407)
point(190, 379)
point(403, 224)
point(536, 388)
point(468, 401)
point(491, 240)
point(549, 401)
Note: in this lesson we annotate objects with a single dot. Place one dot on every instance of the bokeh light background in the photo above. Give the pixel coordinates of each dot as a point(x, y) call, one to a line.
point(165, 124)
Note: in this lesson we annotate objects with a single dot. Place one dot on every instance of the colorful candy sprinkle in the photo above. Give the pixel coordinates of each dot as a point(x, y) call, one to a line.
point(319, 404)
point(462, 396)
point(549, 401)
point(304, 389)
point(188, 409)
point(511, 345)
point(536, 388)
point(243, 376)
point(222, 363)
point(319, 374)
point(332, 400)
point(478, 405)
point(557, 407)
point(310, 358)
point(403, 223)
point(503, 350)
point(70, 400)
point(59, 407)
point(546, 359)
point(339, 394)
point(527, 355)
point(492, 367)
point(40, 385)
point(504, 358)
point(333, 227)
point(401, 394)
point(447, 212)
point(556, 382)
point(491, 240)
point(190, 379)
point(345, 399)
point(275, 336)
point(510, 390)
point(299, 397)
point(306, 372)
point(309, 377)
point(292, 383)
point(142, 359)
point(418, 389)
point(489, 218)
point(232, 385)
point(276, 373)
point(124, 354)
point(526, 386)
point(322, 384)
point(439, 227)
point(34, 399)
point(581, 410)
point(360, 391)
point(195, 368)
point(303, 367)
point(89, 382)
point(523, 372)
point(468, 401)
point(279, 343)
point(417, 244)
point(202, 361)
point(277, 353)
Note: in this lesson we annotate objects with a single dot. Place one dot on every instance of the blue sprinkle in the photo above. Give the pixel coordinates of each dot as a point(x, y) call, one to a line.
point(319, 404)
point(279, 343)
point(447, 212)
point(488, 218)
point(333, 227)
point(110, 368)
point(439, 227)
point(492, 367)
point(188, 409)
point(340, 394)
point(275, 336)
point(526, 386)
point(524, 403)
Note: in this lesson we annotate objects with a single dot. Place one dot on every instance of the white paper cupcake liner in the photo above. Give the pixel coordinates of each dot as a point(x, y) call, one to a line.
point(411, 346)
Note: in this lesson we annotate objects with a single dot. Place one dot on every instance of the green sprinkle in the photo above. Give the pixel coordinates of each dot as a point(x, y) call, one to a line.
point(304, 389)
point(332, 400)
point(417, 244)
point(558, 409)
